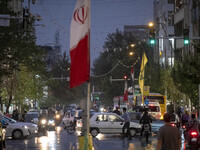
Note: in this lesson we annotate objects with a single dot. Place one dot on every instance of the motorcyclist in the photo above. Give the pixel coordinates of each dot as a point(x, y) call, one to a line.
point(193, 124)
point(146, 119)
point(42, 116)
point(185, 118)
point(175, 119)
point(51, 114)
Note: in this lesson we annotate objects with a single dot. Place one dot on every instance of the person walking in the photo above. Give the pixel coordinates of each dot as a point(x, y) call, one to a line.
point(126, 121)
point(169, 137)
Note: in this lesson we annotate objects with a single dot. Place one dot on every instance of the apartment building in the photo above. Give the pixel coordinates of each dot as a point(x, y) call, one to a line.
point(164, 28)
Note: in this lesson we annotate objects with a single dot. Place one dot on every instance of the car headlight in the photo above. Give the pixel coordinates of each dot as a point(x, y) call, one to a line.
point(57, 116)
point(24, 127)
point(51, 121)
point(43, 121)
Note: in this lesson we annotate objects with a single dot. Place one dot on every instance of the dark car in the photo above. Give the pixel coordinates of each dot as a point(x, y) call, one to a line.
point(156, 124)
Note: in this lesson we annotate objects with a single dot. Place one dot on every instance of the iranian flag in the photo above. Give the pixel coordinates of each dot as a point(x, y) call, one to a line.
point(80, 44)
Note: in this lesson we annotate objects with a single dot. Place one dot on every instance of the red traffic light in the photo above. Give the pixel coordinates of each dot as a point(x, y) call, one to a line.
point(125, 77)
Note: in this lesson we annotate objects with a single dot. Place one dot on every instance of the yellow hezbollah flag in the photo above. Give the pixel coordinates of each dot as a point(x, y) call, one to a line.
point(141, 76)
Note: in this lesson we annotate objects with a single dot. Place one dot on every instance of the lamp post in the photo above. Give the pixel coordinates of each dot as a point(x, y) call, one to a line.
point(132, 71)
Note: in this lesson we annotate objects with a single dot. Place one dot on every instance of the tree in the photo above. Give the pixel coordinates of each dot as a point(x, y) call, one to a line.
point(115, 61)
point(59, 90)
point(186, 74)
point(18, 49)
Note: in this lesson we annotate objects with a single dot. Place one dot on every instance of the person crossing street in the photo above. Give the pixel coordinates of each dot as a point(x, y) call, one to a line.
point(126, 121)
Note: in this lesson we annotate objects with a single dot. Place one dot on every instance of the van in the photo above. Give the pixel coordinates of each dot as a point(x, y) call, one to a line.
point(154, 109)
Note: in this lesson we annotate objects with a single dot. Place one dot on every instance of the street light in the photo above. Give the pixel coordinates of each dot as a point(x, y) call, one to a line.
point(131, 53)
point(151, 24)
point(151, 33)
point(132, 45)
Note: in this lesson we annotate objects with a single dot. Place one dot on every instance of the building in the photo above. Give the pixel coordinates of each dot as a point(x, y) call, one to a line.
point(141, 32)
point(164, 28)
point(186, 17)
point(16, 6)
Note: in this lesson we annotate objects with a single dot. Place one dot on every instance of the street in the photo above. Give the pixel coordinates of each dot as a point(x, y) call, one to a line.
point(61, 140)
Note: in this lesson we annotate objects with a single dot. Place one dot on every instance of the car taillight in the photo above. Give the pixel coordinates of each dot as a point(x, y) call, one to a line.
point(193, 133)
point(173, 124)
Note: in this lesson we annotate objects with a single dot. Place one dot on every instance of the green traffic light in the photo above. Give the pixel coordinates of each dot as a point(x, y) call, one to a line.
point(152, 41)
point(186, 42)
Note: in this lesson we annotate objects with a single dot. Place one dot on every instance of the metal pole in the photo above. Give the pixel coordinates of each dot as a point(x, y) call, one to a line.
point(133, 87)
point(199, 100)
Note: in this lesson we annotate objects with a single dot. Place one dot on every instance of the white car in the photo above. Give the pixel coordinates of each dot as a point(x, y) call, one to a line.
point(17, 130)
point(110, 123)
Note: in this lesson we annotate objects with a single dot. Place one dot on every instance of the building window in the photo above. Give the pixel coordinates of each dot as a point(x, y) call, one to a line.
point(170, 18)
point(178, 29)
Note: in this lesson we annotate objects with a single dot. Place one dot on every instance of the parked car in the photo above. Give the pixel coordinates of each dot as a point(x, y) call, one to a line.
point(156, 124)
point(17, 130)
point(110, 123)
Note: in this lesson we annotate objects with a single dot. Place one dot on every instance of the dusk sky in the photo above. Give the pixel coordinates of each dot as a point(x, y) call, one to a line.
point(106, 17)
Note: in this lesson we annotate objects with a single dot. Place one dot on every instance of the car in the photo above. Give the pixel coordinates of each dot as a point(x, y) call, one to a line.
point(17, 130)
point(110, 123)
point(32, 117)
point(156, 124)
point(78, 117)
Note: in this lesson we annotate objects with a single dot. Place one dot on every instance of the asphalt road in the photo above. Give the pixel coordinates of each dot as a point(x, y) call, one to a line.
point(61, 140)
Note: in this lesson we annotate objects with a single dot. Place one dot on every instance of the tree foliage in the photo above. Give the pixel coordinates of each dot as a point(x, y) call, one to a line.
point(186, 74)
point(117, 48)
point(59, 90)
point(20, 60)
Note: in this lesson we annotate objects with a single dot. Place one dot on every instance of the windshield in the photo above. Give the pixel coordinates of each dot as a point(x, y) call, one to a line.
point(9, 120)
point(154, 108)
point(32, 116)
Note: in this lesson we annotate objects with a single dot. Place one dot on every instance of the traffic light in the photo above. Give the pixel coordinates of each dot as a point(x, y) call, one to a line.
point(125, 77)
point(152, 36)
point(186, 36)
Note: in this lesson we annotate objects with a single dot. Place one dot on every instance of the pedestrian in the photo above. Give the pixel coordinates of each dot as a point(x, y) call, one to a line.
point(15, 115)
point(126, 121)
point(169, 137)
point(23, 118)
point(117, 111)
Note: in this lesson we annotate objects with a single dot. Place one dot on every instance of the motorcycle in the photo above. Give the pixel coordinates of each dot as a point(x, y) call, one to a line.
point(173, 124)
point(147, 131)
point(42, 126)
point(184, 131)
point(51, 124)
point(71, 128)
point(193, 140)
point(57, 119)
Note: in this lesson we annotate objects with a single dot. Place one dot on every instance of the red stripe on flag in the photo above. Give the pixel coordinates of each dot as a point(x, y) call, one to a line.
point(80, 63)
point(125, 96)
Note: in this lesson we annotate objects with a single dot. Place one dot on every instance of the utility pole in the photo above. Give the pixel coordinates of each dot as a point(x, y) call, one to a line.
point(199, 100)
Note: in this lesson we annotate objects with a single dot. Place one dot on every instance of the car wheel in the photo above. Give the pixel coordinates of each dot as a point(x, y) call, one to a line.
point(133, 132)
point(94, 132)
point(17, 134)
